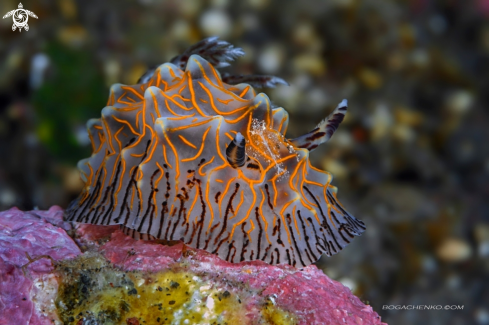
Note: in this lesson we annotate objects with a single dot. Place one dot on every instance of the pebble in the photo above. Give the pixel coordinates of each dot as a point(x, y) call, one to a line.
point(370, 78)
point(73, 36)
point(67, 8)
point(481, 234)
point(271, 58)
point(39, 64)
point(381, 121)
point(407, 116)
point(349, 283)
point(112, 71)
point(403, 133)
point(454, 250)
point(336, 168)
point(182, 30)
point(460, 101)
point(310, 63)
point(215, 22)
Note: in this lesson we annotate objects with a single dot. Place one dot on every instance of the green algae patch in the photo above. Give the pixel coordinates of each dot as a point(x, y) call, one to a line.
point(92, 290)
point(277, 316)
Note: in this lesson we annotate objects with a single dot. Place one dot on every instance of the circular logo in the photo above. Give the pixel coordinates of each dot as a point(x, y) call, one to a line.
point(20, 18)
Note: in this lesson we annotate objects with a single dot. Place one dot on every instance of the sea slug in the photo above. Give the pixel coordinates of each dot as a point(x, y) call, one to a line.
point(195, 156)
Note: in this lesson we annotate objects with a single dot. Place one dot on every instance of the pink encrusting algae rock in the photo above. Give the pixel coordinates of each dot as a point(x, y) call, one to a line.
point(36, 233)
point(251, 292)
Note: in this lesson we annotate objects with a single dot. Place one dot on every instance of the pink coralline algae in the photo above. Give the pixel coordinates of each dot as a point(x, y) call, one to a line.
point(262, 293)
point(37, 233)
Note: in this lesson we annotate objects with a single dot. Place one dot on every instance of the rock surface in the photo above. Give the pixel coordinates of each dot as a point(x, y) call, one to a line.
point(37, 233)
point(251, 292)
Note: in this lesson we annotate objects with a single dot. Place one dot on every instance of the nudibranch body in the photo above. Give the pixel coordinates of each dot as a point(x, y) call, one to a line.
point(185, 156)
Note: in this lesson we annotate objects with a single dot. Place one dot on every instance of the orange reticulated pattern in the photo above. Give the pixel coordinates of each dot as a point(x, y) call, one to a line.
point(159, 167)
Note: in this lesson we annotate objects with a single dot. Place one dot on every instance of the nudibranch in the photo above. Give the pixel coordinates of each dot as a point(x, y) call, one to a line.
point(194, 156)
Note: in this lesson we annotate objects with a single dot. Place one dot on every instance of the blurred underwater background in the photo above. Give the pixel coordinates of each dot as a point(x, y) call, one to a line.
point(411, 158)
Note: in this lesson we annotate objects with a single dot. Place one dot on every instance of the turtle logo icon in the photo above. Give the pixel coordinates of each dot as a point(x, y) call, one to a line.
point(20, 16)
